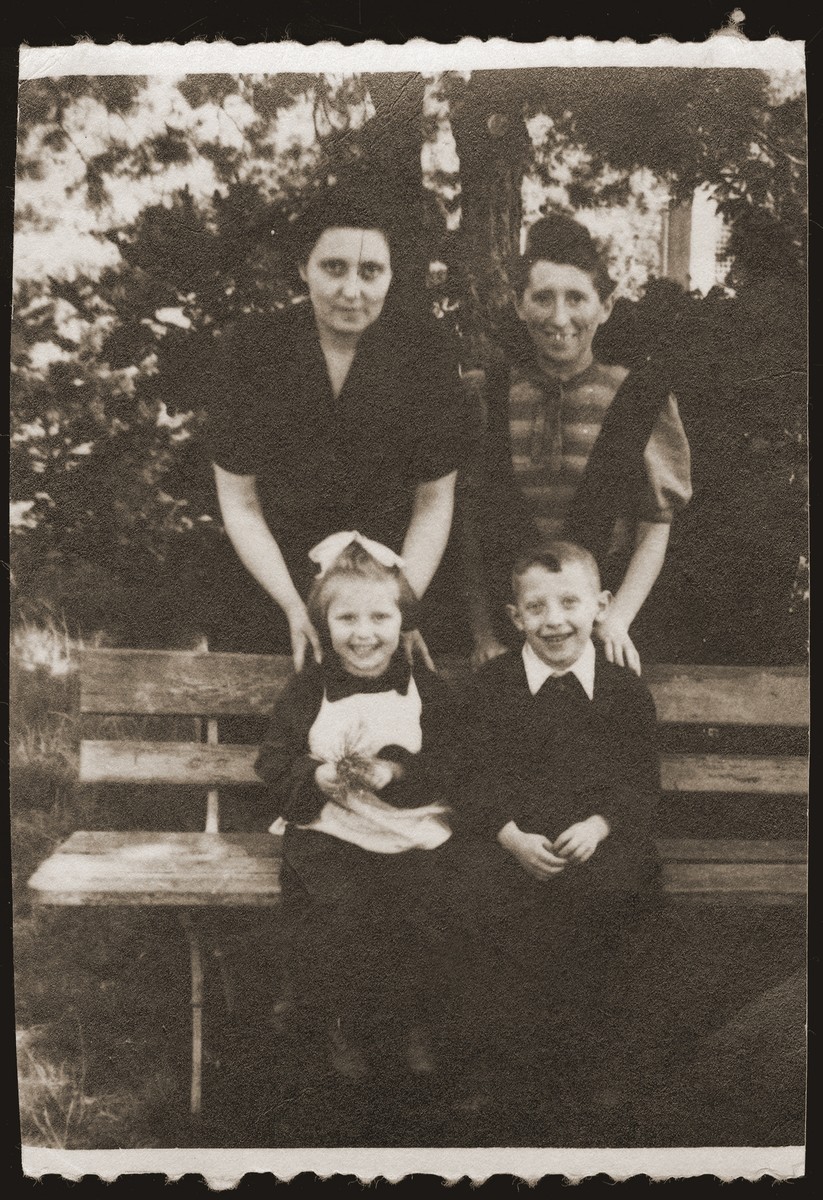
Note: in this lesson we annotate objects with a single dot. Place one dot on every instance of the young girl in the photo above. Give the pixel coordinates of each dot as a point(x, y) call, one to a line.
point(356, 763)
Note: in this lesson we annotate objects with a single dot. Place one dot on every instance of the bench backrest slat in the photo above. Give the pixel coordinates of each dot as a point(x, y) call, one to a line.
point(185, 764)
point(171, 682)
point(192, 764)
point(701, 695)
point(731, 850)
point(166, 682)
point(736, 879)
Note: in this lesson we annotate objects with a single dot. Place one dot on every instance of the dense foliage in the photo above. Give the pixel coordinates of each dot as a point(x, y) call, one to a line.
point(163, 217)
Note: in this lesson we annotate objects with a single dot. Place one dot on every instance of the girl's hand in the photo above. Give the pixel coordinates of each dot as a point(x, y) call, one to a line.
point(580, 840)
point(619, 647)
point(382, 772)
point(486, 647)
point(325, 776)
point(303, 635)
point(413, 644)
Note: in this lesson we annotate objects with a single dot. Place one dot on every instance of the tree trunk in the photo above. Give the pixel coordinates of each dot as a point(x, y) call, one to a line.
point(395, 132)
point(493, 146)
point(393, 142)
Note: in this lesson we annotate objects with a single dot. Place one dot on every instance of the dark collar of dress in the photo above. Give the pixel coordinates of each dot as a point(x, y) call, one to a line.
point(339, 683)
point(590, 374)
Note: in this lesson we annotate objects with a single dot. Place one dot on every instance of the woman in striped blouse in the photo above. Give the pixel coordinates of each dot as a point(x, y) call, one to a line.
point(572, 448)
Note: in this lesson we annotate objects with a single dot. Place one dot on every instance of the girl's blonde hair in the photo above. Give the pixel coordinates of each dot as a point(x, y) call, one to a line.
point(357, 563)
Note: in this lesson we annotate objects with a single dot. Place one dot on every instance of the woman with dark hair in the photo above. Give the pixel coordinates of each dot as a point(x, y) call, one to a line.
point(573, 449)
point(343, 414)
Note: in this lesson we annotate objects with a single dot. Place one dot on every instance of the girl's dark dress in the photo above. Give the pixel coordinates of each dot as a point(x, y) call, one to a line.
point(367, 929)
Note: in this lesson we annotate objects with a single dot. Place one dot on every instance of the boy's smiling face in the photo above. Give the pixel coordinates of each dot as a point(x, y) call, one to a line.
point(556, 610)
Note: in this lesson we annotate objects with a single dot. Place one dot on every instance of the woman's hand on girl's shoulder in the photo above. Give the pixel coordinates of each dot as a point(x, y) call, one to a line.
point(486, 649)
point(415, 646)
point(304, 636)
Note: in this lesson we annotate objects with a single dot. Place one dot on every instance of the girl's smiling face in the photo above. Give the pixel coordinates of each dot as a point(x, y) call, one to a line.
point(348, 274)
point(562, 310)
point(364, 621)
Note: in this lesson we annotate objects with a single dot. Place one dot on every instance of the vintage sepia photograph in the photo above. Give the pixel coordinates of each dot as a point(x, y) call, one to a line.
point(409, 550)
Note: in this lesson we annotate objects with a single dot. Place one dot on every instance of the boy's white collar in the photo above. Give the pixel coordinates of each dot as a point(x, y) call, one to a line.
point(537, 672)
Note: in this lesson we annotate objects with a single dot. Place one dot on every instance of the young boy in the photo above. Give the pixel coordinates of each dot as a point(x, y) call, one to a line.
point(564, 778)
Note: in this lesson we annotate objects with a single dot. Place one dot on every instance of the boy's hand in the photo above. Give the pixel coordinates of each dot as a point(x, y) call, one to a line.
point(325, 776)
point(619, 647)
point(532, 850)
point(580, 840)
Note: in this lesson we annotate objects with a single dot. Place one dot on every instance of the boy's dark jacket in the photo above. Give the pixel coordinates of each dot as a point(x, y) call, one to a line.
point(549, 760)
point(287, 768)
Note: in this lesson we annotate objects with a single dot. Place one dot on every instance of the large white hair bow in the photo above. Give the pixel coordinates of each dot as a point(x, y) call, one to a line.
point(329, 550)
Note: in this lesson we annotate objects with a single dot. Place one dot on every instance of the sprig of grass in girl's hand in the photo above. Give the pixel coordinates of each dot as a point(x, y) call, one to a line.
point(354, 769)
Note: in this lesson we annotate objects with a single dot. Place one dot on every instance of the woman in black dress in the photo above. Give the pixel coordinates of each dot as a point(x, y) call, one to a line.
point(344, 414)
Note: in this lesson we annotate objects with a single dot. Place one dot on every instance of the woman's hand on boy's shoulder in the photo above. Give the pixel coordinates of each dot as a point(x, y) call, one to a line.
point(486, 648)
point(618, 646)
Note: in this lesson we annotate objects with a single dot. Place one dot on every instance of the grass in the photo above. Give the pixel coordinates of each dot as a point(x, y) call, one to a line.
point(62, 959)
point(57, 1107)
point(101, 995)
point(103, 1006)
point(54, 1104)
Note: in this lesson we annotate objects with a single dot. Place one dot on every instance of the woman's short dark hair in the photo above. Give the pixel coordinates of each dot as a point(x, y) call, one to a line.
point(356, 563)
point(561, 239)
point(361, 199)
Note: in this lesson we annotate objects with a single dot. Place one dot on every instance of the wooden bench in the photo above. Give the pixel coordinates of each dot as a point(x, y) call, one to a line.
point(193, 872)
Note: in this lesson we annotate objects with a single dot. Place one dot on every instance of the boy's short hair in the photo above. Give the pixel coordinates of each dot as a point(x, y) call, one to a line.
point(355, 563)
point(560, 239)
point(553, 557)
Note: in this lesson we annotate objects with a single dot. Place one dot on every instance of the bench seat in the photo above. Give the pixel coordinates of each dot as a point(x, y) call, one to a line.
point(175, 869)
point(221, 869)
